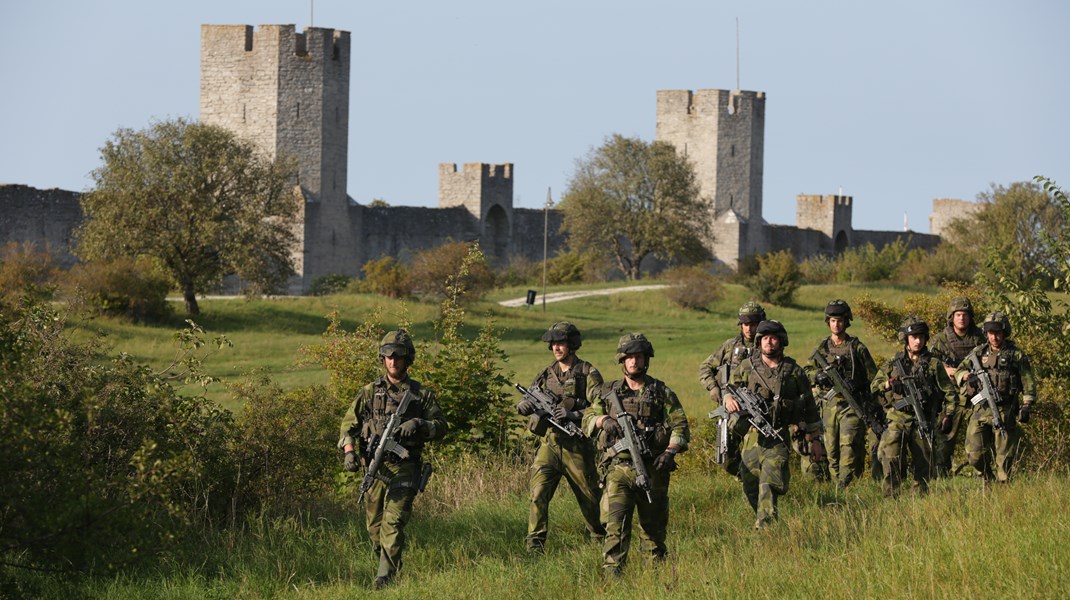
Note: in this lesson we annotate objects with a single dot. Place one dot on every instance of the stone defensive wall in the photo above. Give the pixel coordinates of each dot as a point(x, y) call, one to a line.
point(45, 218)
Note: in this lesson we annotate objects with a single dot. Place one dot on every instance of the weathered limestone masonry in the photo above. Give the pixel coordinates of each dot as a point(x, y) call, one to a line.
point(723, 133)
point(486, 192)
point(288, 93)
point(946, 210)
point(44, 218)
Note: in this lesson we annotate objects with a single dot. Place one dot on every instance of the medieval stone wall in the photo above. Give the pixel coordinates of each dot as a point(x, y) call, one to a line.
point(946, 210)
point(44, 218)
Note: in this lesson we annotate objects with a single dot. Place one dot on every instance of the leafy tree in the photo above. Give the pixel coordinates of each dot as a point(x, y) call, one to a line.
point(629, 200)
point(1011, 223)
point(432, 270)
point(202, 202)
point(777, 279)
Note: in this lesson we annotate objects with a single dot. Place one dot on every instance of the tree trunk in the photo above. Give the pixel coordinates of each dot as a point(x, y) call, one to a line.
point(190, 297)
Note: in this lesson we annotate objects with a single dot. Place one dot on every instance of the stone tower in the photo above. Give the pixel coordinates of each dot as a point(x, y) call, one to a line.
point(486, 191)
point(830, 215)
point(288, 93)
point(723, 133)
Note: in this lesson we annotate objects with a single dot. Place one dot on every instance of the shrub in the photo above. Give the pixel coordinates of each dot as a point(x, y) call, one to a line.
point(128, 288)
point(818, 269)
point(432, 268)
point(777, 278)
point(26, 270)
point(326, 285)
point(867, 264)
point(692, 287)
point(387, 277)
point(519, 271)
point(937, 267)
point(567, 267)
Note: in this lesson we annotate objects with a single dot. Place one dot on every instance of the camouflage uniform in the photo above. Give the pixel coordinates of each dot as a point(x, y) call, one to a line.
point(845, 432)
point(951, 348)
point(938, 398)
point(661, 421)
point(786, 392)
point(388, 503)
point(719, 366)
point(561, 455)
point(1012, 377)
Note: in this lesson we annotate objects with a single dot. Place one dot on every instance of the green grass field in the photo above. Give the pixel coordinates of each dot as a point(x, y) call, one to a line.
point(960, 540)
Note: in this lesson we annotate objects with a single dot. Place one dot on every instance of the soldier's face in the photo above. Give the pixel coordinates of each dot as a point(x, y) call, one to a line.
point(560, 350)
point(837, 325)
point(995, 339)
point(961, 320)
point(749, 329)
point(771, 345)
point(634, 364)
point(396, 366)
point(915, 343)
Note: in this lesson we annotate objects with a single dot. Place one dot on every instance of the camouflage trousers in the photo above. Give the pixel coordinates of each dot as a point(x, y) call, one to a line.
point(944, 445)
point(904, 436)
point(737, 427)
point(620, 496)
point(765, 475)
point(845, 442)
point(819, 470)
point(572, 459)
point(983, 442)
point(388, 507)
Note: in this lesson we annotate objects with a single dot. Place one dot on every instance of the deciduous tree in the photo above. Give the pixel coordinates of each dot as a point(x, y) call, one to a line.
point(202, 202)
point(629, 200)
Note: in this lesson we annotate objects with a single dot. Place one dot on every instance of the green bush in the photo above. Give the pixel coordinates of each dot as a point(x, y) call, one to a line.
point(433, 268)
point(818, 269)
point(128, 288)
point(326, 285)
point(26, 270)
point(387, 277)
point(519, 271)
point(944, 265)
point(692, 288)
point(567, 267)
point(103, 463)
point(867, 264)
point(777, 278)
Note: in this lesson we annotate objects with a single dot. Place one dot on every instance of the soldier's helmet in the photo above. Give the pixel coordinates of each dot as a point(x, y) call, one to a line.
point(997, 321)
point(913, 325)
point(751, 312)
point(958, 304)
point(839, 308)
point(634, 343)
point(397, 343)
point(773, 328)
point(563, 331)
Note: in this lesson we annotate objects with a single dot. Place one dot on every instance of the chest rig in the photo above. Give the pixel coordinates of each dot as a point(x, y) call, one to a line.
point(842, 358)
point(922, 374)
point(1003, 370)
point(570, 386)
point(649, 407)
point(957, 348)
point(384, 402)
point(777, 387)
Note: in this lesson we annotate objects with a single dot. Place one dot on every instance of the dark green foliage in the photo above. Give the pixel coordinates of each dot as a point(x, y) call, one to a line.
point(693, 288)
point(777, 279)
point(124, 287)
point(867, 264)
point(387, 277)
point(25, 270)
point(325, 285)
point(433, 269)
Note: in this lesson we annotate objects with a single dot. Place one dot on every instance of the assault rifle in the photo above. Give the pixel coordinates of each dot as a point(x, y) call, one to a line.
point(722, 434)
point(912, 398)
point(545, 403)
point(872, 418)
point(385, 443)
point(987, 394)
point(754, 409)
point(633, 444)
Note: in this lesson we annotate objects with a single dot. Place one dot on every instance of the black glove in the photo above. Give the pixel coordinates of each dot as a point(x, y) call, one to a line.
point(350, 464)
point(525, 407)
point(612, 428)
point(410, 428)
point(896, 385)
point(560, 413)
point(666, 462)
point(822, 378)
point(1024, 412)
point(946, 423)
point(973, 382)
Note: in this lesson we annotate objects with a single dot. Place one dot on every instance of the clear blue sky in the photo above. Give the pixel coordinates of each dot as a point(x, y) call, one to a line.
point(896, 103)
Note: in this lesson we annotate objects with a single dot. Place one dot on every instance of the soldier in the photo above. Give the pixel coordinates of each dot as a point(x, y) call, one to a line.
point(716, 370)
point(390, 497)
point(1011, 376)
point(784, 391)
point(951, 346)
point(568, 378)
point(661, 428)
point(935, 396)
point(845, 431)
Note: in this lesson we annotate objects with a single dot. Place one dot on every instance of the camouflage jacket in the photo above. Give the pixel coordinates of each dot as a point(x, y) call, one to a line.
point(729, 355)
point(374, 403)
point(785, 390)
point(657, 410)
point(938, 393)
point(1009, 370)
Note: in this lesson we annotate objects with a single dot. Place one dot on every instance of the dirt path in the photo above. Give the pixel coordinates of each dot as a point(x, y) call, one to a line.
point(561, 296)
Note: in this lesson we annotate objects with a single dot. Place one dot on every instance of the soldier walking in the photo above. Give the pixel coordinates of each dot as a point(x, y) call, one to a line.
point(784, 392)
point(951, 345)
point(568, 379)
point(913, 370)
point(660, 425)
point(388, 505)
